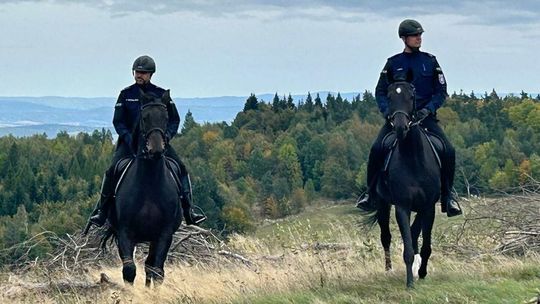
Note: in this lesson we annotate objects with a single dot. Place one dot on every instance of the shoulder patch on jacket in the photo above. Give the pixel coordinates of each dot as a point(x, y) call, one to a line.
point(441, 78)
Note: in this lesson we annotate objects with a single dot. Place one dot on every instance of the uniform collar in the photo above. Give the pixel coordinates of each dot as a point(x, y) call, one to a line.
point(145, 87)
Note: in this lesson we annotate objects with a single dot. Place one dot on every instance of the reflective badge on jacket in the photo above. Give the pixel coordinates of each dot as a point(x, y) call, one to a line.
point(132, 99)
point(441, 79)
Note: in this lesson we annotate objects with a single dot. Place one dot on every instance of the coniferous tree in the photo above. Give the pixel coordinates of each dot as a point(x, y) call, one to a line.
point(251, 103)
point(189, 123)
point(308, 105)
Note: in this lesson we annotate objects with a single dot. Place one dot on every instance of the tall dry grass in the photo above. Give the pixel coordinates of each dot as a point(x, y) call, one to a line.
point(294, 256)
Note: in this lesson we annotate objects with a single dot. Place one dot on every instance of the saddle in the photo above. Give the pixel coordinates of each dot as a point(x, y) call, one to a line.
point(389, 144)
point(123, 165)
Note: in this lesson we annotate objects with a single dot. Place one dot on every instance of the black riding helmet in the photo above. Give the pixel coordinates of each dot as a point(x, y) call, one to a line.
point(144, 64)
point(409, 27)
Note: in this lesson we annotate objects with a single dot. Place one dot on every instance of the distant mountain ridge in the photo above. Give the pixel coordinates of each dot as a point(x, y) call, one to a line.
point(25, 116)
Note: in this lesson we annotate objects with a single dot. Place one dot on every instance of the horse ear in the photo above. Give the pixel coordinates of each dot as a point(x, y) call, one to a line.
point(144, 97)
point(410, 76)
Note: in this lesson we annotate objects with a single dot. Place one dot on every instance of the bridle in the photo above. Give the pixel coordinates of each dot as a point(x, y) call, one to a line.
point(411, 118)
point(146, 132)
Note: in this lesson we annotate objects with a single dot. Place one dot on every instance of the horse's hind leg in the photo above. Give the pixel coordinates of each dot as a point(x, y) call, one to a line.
point(125, 249)
point(416, 227)
point(383, 219)
point(425, 253)
point(161, 248)
point(149, 264)
point(403, 218)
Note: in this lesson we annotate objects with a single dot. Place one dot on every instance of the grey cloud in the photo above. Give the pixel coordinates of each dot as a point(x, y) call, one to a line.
point(485, 12)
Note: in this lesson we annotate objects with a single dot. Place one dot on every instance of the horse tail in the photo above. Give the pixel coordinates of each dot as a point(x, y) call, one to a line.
point(369, 213)
point(369, 218)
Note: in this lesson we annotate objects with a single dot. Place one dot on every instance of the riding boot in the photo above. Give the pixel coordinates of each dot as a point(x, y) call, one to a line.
point(191, 217)
point(449, 203)
point(374, 164)
point(99, 215)
point(452, 206)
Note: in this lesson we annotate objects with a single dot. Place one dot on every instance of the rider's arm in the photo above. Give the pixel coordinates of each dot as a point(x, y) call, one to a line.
point(381, 92)
point(439, 88)
point(174, 119)
point(120, 117)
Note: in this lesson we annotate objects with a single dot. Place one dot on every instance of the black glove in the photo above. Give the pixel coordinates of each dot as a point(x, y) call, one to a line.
point(386, 114)
point(127, 139)
point(422, 114)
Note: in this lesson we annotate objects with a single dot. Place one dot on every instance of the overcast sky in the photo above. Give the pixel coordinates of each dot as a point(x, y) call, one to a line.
point(216, 48)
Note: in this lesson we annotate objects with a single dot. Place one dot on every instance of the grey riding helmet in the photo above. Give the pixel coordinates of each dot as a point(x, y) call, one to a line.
point(409, 27)
point(144, 64)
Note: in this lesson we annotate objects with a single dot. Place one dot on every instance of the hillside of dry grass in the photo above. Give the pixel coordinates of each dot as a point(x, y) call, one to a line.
point(323, 256)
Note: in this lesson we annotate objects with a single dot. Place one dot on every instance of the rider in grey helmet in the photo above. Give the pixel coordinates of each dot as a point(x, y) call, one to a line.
point(430, 89)
point(126, 115)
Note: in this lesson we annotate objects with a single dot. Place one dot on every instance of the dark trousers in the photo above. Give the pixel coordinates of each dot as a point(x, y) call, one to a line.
point(448, 158)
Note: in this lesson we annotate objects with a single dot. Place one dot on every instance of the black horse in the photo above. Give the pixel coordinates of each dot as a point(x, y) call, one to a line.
point(147, 207)
point(411, 182)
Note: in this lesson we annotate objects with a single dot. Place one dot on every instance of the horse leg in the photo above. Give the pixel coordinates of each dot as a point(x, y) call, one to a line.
point(148, 264)
point(125, 249)
point(161, 249)
point(383, 219)
point(403, 218)
point(416, 227)
point(427, 226)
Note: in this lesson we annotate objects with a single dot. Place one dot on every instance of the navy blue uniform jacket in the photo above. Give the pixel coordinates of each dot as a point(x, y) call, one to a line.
point(128, 108)
point(428, 80)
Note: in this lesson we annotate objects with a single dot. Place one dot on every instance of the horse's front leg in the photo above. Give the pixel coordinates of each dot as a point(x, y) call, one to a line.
point(383, 219)
point(125, 249)
point(162, 246)
point(403, 218)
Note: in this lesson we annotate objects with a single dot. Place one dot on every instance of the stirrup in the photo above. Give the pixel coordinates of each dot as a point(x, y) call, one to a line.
point(363, 201)
point(453, 208)
point(193, 218)
point(99, 218)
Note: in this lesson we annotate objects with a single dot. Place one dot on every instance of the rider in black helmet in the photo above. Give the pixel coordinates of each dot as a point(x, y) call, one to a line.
point(126, 113)
point(430, 88)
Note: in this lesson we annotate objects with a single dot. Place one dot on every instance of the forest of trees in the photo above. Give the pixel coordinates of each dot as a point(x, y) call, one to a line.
point(274, 159)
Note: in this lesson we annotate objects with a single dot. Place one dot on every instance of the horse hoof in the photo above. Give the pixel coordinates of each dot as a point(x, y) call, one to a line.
point(422, 273)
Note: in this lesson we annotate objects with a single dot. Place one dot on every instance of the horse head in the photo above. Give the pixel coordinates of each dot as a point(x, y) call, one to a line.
point(153, 122)
point(401, 95)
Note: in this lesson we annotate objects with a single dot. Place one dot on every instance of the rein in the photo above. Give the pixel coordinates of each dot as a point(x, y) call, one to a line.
point(412, 121)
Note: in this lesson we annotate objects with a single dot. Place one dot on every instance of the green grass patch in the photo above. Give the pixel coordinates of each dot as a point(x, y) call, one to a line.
point(334, 223)
point(453, 288)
